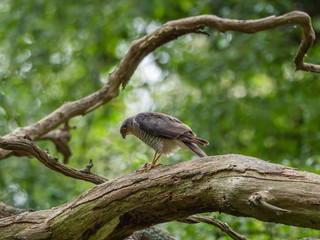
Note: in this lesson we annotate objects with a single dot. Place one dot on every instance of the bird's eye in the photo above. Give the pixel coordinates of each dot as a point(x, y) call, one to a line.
point(124, 129)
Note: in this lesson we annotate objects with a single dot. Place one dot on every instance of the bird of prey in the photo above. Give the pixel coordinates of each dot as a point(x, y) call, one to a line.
point(163, 133)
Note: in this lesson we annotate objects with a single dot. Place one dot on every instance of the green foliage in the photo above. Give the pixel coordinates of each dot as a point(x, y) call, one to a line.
point(239, 91)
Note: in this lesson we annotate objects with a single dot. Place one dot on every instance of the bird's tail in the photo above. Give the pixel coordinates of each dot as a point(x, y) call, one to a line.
point(194, 148)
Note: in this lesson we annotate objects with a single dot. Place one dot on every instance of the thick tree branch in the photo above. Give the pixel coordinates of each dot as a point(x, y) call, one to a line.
point(142, 47)
point(145, 234)
point(117, 208)
point(7, 211)
point(25, 145)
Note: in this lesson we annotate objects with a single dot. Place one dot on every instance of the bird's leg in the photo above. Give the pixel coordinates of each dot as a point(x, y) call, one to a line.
point(153, 163)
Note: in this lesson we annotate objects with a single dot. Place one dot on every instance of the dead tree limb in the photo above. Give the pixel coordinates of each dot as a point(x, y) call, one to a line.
point(142, 47)
point(259, 200)
point(119, 207)
point(27, 146)
point(212, 220)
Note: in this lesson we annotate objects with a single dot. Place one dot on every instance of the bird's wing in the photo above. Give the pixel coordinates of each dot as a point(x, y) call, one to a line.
point(165, 126)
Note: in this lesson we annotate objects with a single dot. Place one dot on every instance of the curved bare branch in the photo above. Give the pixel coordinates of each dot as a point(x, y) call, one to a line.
point(27, 146)
point(142, 47)
point(215, 222)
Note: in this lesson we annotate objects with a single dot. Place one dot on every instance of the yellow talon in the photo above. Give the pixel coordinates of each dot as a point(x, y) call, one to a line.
point(147, 167)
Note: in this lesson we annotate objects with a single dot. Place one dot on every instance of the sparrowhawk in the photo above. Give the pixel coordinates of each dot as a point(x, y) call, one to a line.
point(163, 133)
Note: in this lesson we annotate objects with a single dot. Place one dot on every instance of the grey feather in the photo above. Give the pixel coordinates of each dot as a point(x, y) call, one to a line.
point(194, 148)
point(165, 126)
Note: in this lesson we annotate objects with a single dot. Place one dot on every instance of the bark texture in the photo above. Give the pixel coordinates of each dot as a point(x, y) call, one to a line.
point(233, 184)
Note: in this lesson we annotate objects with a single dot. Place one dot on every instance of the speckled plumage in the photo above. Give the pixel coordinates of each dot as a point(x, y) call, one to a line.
point(163, 133)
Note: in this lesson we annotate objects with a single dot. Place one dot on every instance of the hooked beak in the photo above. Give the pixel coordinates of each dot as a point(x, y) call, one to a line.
point(123, 135)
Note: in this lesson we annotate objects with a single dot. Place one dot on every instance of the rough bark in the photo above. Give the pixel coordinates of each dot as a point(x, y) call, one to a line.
point(6, 211)
point(233, 184)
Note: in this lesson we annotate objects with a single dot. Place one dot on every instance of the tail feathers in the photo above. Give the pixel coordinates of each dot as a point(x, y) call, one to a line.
point(194, 148)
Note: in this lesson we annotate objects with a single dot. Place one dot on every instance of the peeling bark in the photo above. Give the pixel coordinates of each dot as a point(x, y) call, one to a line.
point(226, 183)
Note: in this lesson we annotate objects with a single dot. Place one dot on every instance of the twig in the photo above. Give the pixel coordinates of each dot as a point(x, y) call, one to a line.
point(257, 200)
point(51, 162)
point(88, 167)
point(142, 47)
point(215, 222)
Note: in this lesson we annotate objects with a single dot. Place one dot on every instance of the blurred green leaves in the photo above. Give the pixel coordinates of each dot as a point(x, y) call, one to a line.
point(239, 91)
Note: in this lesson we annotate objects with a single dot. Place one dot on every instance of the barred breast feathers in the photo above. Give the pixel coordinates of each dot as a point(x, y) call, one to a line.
point(160, 145)
point(152, 141)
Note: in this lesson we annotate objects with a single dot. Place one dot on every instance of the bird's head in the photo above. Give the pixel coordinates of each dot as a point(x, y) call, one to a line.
point(126, 127)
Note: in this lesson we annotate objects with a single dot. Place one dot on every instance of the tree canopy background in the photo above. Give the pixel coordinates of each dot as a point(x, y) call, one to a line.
point(239, 91)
